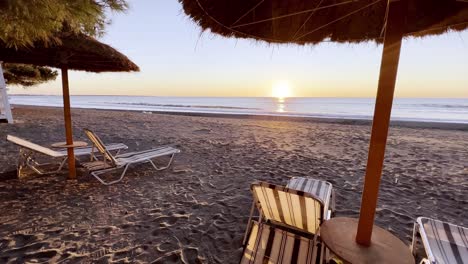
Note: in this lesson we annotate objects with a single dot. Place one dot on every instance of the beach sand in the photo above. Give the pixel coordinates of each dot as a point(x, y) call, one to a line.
point(196, 211)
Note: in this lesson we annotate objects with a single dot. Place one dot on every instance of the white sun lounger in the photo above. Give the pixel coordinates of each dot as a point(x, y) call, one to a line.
point(444, 243)
point(29, 150)
point(111, 162)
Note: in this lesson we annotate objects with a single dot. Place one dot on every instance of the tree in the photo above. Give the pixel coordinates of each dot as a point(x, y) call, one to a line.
point(27, 75)
point(24, 21)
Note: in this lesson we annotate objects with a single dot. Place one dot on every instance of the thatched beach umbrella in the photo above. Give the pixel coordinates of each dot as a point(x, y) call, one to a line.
point(314, 21)
point(74, 52)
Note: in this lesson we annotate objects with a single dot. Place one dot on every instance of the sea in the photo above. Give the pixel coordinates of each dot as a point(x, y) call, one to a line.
point(404, 109)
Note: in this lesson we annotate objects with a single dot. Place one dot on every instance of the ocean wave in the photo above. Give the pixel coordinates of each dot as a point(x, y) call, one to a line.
point(185, 106)
point(450, 106)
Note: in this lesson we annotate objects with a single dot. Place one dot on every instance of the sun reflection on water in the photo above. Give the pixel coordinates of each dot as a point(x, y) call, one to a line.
point(280, 105)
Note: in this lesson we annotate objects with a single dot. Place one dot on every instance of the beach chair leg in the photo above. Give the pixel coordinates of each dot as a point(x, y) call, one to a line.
point(322, 252)
point(35, 166)
point(162, 168)
point(249, 223)
point(62, 164)
point(97, 173)
point(315, 242)
point(333, 203)
point(413, 243)
point(92, 156)
point(21, 162)
point(327, 255)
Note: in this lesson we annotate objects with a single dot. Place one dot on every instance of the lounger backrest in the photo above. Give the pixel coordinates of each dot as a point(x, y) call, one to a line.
point(99, 145)
point(288, 207)
point(32, 146)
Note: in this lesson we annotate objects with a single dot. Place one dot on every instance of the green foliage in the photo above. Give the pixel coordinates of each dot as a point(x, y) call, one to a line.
point(27, 75)
point(26, 21)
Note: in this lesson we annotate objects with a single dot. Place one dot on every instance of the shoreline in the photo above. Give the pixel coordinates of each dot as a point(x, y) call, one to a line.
point(331, 120)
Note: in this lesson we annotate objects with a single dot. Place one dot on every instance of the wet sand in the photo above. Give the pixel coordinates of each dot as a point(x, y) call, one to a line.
point(196, 211)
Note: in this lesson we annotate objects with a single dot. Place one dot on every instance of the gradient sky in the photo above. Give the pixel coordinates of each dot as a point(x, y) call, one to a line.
point(176, 59)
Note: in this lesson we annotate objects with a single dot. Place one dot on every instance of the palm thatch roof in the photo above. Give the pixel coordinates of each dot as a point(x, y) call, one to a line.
point(74, 51)
point(313, 21)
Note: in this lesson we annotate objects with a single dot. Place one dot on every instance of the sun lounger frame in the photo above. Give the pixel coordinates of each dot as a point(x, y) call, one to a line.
point(419, 228)
point(29, 150)
point(111, 163)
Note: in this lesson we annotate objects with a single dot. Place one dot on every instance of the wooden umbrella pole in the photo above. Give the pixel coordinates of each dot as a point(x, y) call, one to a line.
point(68, 123)
point(394, 31)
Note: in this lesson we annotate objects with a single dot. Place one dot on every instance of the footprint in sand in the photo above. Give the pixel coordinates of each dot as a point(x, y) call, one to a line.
point(202, 131)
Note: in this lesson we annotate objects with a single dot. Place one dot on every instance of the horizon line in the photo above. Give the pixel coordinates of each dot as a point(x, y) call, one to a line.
point(200, 96)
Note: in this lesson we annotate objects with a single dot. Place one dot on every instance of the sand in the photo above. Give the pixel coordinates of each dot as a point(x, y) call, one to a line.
point(196, 211)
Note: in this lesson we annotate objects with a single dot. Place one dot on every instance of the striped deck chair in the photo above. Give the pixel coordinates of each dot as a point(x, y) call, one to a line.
point(444, 243)
point(322, 189)
point(296, 211)
point(29, 151)
point(111, 163)
point(268, 244)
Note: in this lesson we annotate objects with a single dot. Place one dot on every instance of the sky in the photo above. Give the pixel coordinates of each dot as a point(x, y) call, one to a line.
point(177, 59)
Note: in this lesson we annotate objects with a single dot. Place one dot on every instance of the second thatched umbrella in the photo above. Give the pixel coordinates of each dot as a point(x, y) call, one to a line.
point(314, 21)
point(71, 52)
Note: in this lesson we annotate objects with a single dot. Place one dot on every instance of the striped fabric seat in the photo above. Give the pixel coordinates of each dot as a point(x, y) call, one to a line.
point(444, 243)
point(111, 162)
point(288, 207)
point(318, 188)
point(267, 244)
point(96, 165)
point(132, 157)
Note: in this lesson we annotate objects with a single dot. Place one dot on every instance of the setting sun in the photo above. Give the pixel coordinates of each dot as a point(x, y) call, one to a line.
point(281, 89)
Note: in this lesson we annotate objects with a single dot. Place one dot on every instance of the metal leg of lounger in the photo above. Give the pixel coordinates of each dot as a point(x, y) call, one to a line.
point(21, 162)
point(62, 164)
point(92, 156)
point(413, 243)
point(34, 165)
point(333, 203)
point(96, 173)
point(322, 252)
point(249, 223)
point(314, 245)
point(162, 168)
